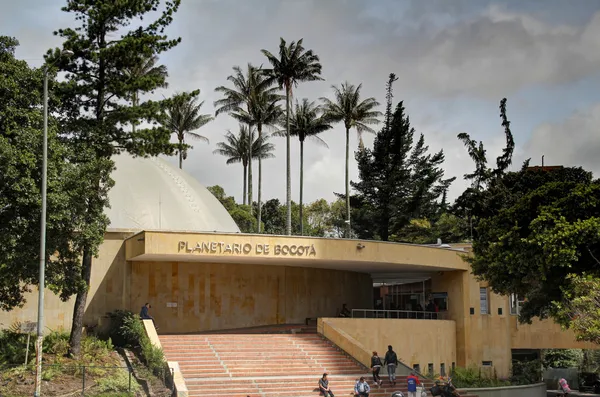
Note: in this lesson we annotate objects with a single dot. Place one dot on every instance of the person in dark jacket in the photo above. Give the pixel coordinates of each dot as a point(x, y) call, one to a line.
point(391, 360)
point(324, 386)
point(145, 315)
point(376, 365)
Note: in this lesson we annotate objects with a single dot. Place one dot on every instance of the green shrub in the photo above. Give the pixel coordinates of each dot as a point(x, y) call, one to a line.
point(526, 372)
point(51, 372)
point(129, 330)
point(133, 331)
point(153, 357)
point(57, 343)
point(117, 382)
point(13, 345)
point(117, 333)
point(473, 377)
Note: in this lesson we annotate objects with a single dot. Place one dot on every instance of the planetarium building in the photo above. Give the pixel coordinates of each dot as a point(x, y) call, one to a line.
point(171, 243)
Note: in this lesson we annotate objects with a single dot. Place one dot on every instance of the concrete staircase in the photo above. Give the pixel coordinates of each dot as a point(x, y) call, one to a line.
point(279, 361)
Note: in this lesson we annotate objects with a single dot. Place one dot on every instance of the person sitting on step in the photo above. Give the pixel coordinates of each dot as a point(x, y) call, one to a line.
point(362, 388)
point(144, 315)
point(324, 386)
point(345, 311)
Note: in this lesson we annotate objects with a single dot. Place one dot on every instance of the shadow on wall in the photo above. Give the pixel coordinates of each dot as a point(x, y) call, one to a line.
point(110, 281)
point(196, 297)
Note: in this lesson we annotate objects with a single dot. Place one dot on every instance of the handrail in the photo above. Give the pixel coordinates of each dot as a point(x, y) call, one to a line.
point(398, 314)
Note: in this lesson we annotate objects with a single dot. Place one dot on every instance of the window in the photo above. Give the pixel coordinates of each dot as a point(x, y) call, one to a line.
point(441, 300)
point(430, 369)
point(484, 300)
point(417, 368)
point(443, 369)
point(515, 304)
point(486, 363)
point(453, 366)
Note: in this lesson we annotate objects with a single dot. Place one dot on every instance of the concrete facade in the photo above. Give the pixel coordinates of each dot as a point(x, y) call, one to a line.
point(209, 281)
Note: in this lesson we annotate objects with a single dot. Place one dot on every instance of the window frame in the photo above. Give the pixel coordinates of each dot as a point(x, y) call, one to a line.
point(485, 310)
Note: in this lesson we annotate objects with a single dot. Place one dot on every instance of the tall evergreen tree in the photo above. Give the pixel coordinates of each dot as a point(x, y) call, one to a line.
point(399, 179)
point(472, 202)
point(96, 98)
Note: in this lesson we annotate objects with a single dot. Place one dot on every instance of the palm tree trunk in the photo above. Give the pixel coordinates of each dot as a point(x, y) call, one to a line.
point(250, 155)
point(244, 191)
point(180, 153)
point(348, 227)
point(259, 218)
point(301, 186)
point(288, 198)
point(134, 103)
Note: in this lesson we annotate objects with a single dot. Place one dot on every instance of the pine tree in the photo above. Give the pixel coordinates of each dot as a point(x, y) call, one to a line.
point(399, 180)
point(97, 109)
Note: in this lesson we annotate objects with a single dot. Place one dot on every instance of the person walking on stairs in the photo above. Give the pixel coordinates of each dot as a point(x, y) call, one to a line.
point(376, 365)
point(391, 360)
point(362, 388)
point(324, 386)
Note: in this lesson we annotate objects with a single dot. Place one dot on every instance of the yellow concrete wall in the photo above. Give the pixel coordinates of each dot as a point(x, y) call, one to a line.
point(490, 337)
point(344, 341)
point(545, 334)
point(108, 291)
point(415, 341)
point(224, 296)
point(455, 284)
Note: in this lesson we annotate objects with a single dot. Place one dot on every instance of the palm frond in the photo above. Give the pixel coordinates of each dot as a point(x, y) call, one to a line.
point(183, 116)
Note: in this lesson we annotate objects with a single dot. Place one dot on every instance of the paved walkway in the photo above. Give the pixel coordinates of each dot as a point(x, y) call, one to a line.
point(552, 393)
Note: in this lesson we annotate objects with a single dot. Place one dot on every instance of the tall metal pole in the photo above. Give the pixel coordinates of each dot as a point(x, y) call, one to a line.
point(40, 321)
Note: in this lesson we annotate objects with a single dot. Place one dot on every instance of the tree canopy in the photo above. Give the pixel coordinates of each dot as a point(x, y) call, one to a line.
point(399, 179)
point(97, 109)
point(536, 235)
point(20, 180)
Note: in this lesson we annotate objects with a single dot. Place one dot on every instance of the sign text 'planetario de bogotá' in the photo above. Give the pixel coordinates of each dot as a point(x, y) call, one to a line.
point(214, 247)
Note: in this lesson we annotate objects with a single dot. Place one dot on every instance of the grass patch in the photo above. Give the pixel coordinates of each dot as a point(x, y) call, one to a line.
point(61, 374)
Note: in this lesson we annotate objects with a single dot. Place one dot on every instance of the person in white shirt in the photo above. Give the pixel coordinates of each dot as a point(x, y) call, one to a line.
point(362, 388)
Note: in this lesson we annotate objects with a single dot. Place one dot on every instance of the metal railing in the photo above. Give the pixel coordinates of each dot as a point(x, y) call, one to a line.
point(75, 380)
point(398, 314)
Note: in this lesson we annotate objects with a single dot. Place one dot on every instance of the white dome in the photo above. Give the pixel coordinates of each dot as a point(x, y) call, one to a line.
point(151, 194)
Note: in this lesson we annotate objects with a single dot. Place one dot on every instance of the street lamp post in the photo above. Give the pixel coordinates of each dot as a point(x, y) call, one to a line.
point(41, 287)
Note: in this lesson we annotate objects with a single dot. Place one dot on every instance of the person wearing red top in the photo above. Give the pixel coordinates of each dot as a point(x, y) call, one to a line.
point(413, 381)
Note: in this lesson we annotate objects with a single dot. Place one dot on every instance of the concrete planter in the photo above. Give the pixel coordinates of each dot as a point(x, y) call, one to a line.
point(537, 390)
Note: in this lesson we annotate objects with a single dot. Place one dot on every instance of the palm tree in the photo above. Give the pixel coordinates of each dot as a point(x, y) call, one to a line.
point(264, 110)
point(236, 150)
point(293, 65)
point(252, 100)
point(146, 67)
point(182, 117)
point(306, 121)
point(348, 107)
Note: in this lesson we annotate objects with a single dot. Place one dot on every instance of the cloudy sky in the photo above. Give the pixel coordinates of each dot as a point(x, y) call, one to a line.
point(455, 61)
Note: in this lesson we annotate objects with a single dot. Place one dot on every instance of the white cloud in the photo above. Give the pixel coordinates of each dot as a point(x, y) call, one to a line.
point(572, 142)
point(440, 50)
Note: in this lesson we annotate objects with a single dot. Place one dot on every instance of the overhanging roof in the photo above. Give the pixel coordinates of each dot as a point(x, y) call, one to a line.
point(383, 260)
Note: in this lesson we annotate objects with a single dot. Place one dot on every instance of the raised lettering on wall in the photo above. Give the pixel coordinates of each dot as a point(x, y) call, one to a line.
point(222, 248)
